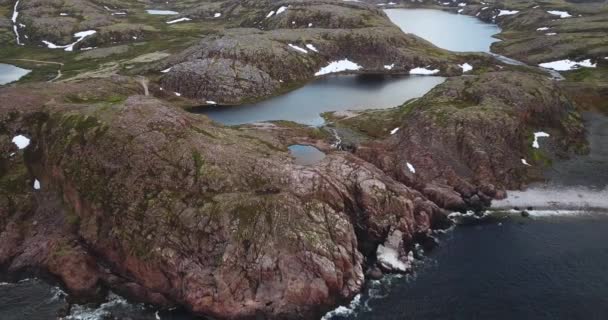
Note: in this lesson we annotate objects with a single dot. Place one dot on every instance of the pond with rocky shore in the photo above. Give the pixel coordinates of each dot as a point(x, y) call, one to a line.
point(377, 172)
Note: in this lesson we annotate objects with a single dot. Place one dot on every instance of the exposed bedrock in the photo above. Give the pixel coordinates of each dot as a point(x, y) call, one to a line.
point(467, 139)
point(266, 55)
point(165, 207)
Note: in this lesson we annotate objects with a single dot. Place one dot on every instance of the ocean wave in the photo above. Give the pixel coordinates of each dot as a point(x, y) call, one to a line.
point(82, 312)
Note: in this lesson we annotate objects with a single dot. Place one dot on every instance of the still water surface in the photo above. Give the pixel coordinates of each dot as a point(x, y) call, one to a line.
point(446, 30)
point(332, 93)
point(10, 73)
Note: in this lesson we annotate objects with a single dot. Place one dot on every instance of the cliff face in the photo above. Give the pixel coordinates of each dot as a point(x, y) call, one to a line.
point(467, 139)
point(168, 208)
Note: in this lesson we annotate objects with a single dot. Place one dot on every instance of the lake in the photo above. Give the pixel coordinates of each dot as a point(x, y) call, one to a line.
point(331, 93)
point(306, 155)
point(10, 73)
point(446, 30)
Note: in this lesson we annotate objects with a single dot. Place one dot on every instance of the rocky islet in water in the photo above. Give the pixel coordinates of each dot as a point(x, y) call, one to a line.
point(212, 162)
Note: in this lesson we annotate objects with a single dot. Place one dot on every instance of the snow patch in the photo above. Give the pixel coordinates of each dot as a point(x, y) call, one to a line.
point(567, 64)
point(36, 184)
point(542, 28)
point(411, 167)
point(178, 20)
point(389, 66)
point(338, 66)
point(15, 26)
point(424, 71)
point(297, 48)
point(311, 47)
point(70, 47)
point(21, 141)
point(561, 14)
point(537, 135)
point(281, 10)
point(394, 130)
point(466, 67)
point(270, 14)
point(161, 12)
point(217, 15)
point(525, 162)
point(507, 12)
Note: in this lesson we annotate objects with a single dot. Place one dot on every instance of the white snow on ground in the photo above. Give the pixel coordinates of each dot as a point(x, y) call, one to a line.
point(507, 12)
point(161, 12)
point(460, 10)
point(15, 12)
point(178, 20)
point(298, 48)
point(389, 66)
point(21, 141)
point(217, 15)
point(312, 47)
point(177, 94)
point(550, 33)
point(466, 67)
point(36, 184)
point(310, 25)
point(270, 14)
point(561, 14)
point(210, 102)
point(462, 4)
point(411, 168)
point(423, 71)
point(338, 66)
point(567, 64)
point(542, 29)
point(537, 135)
point(166, 70)
point(281, 10)
point(70, 47)
point(15, 27)
point(525, 162)
point(394, 130)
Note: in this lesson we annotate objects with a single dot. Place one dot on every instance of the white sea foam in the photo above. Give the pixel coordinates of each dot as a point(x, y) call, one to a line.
point(552, 199)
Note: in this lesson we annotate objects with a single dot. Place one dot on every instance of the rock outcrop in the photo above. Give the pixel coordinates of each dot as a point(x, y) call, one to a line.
point(165, 207)
point(272, 52)
point(465, 142)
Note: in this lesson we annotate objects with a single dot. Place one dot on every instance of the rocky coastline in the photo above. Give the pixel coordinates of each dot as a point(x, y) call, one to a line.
point(119, 190)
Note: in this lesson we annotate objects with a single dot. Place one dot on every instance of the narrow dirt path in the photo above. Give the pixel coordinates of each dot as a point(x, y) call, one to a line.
point(60, 64)
point(144, 83)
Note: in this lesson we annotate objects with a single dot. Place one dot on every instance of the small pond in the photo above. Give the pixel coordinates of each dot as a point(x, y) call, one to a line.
point(10, 73)
point(306, 155)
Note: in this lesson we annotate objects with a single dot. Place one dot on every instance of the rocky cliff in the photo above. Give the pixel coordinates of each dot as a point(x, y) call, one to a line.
point(165, 207)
